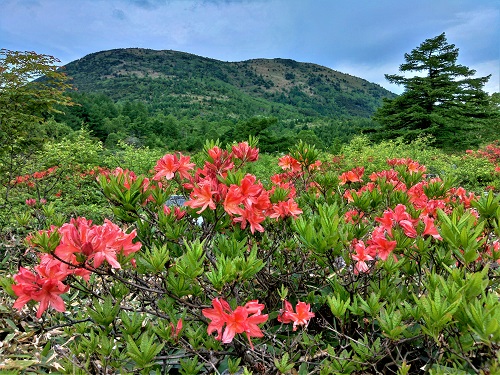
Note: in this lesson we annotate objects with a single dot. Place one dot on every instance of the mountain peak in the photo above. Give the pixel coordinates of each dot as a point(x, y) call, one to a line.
point(154, 76)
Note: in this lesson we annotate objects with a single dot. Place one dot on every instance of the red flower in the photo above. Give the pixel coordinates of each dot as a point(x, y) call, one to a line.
point(254, 217)
point(387, 220)
point(301, 317)
point(380, 245)
point(184, 165)
point(169, 164)
point(250, 190)
point(244, 152)
point(400, 213)
point(25, 288)
point(285, 209)
point(353, 216)
point(95, 242)
point(415, 167)
point(178, 213)
point(175, 330)
point(45, 290)
point(361, 256)
point(31, 202)
point(354, 175)
point(288, 162)
point(430, 229)
point(201, 196)
point(233, 200)
point(166, 167)
point(218, 316)
point(242, 320)
point(408, 228)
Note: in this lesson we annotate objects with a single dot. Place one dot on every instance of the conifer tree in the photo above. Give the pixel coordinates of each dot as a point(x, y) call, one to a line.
point(444, 100)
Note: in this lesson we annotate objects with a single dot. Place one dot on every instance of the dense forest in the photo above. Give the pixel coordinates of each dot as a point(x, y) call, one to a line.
point(178, 100)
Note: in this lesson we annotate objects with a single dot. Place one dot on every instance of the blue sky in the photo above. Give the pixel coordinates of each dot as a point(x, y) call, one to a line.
point(365, 38)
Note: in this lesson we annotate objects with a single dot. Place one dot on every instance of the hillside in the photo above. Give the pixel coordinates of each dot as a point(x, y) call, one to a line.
point(190, 85)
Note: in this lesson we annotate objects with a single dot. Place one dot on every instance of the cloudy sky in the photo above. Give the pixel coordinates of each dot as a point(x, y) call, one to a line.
point(365, 38)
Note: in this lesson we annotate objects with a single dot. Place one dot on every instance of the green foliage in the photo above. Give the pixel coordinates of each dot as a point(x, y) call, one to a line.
point(143, 353)
point(393, 247)
point(430, 304)
point(24, 105)
point(173, 100)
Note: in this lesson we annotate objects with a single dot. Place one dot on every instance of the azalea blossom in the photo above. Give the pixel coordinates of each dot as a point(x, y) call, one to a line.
point(288, 162)
point(126, 177)
point(97, 243)
point(169, 164)
point(80, 243)
point(301, 316)
point(31, 202)
point(252, 216)
point(233, 201)
point(250, 190)
point(47, 291)
point(353, 216)
point(354, 175)
point(227, 323)
point(177, 212)
point(380, 245)
point(430, 229)
point(400, 213)
point(361, 256)
point(285, 209)
point(202, 197)
point(244, 152)
point(175, 330)
point(387, 220)
point(221, 162)
point(408, 228)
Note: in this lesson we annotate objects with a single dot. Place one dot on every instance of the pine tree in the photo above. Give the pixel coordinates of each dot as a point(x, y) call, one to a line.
point(443, 100)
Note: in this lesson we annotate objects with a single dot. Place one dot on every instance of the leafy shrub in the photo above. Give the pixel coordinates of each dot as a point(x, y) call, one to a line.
point(322, 268)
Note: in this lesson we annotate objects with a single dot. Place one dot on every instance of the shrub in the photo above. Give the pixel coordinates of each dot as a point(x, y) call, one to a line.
point(321, 269)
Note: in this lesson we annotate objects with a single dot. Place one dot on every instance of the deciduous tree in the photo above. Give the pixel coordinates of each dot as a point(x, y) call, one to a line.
point(31, 86)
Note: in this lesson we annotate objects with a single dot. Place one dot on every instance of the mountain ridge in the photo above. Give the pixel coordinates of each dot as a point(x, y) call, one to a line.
point(283, 86)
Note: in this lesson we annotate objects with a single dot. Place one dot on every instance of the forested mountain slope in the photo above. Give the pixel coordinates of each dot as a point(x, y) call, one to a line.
point(191, 85)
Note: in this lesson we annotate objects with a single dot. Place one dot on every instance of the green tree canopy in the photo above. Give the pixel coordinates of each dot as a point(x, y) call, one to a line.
point(31, 86)
point(443, 100)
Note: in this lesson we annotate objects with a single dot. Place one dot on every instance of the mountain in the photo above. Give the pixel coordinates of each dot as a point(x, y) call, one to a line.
point(190, 86)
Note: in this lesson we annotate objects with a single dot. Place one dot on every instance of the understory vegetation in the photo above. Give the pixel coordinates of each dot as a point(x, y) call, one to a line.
point(380, 259)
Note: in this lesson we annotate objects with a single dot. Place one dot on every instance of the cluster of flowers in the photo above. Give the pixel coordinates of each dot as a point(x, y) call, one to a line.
point(29, 179)
point(247, 202)
point(245, 319)
point(381, 241)
point(490, 152)
point(300, 317)
point(32, 202)
point(299, 169)
point(79, 247)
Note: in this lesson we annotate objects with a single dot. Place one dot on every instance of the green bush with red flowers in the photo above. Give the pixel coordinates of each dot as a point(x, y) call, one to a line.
point(354, 264)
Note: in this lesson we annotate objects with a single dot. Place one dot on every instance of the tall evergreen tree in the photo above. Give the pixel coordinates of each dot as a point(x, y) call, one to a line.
point(443, 100)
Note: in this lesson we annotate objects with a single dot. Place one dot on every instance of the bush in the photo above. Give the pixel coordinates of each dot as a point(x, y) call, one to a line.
point(321, 269)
